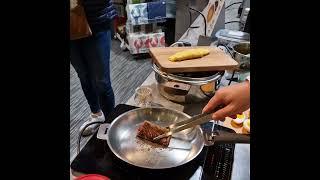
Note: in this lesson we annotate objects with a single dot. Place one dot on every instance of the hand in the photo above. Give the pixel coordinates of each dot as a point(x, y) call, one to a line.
point(235, 99)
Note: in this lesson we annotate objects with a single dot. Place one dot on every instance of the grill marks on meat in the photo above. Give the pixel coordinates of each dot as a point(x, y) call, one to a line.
point(149, 131)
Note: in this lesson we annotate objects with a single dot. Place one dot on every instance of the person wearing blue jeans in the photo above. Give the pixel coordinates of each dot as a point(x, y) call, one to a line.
point(90, 57)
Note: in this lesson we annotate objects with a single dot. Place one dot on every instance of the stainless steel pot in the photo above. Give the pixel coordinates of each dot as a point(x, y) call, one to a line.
point(187, 88)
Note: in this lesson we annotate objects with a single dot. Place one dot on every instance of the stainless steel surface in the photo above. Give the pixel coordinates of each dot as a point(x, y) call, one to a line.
point(192, 95)
point(241, 162)
point(180, 126)
point(184, 146)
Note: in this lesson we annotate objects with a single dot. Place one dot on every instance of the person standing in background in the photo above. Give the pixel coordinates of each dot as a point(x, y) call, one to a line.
point(90, 57)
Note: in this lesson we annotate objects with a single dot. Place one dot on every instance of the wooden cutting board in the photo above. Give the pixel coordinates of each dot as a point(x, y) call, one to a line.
point(217, 60)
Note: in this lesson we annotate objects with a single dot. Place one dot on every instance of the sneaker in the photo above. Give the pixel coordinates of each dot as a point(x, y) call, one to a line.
point(92, 128)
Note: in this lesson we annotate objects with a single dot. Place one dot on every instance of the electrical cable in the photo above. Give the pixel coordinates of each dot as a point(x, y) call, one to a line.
point(231, 78)
point(227, 48)
point(233, 4)
point(204, 19)
point(233, 22)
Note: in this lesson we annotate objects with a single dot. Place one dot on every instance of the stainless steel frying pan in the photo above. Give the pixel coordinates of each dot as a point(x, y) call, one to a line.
point(121, 138)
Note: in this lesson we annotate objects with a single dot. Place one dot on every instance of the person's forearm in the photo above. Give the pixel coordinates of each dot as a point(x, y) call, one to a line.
point(234, 98)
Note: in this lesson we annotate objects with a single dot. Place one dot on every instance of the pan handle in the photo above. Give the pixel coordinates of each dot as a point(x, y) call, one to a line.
point(226, 138)
point(102, 132)
point(232, 138)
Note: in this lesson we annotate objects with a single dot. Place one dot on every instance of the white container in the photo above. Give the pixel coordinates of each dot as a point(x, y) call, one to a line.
point(226, 36)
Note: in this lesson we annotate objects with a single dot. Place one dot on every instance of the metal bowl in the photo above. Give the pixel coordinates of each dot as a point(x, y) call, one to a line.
point(184, 146)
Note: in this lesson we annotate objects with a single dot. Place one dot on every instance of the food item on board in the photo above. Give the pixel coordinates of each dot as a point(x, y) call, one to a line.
point(148, 131)
point(189, 54)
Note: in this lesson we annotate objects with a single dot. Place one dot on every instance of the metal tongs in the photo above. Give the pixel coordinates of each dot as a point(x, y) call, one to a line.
point(180, 126)
point(214, 137)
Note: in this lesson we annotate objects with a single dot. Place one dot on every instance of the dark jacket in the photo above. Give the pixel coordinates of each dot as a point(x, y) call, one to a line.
point(99, 14)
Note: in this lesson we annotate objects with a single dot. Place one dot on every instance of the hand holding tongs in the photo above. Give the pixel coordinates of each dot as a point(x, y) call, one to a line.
point(177, 127)
point(200, 119)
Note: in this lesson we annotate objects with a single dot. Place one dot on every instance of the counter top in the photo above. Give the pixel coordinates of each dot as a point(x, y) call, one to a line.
point(241, 164)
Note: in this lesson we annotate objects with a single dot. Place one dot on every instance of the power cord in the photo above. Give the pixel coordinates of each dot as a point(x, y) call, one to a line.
point(80, 133)
point(240, 2)
point(231, 78)
point(227, 48)
point(233, 22)
point(204, 19)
